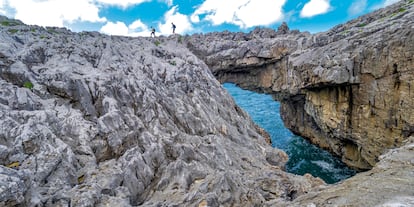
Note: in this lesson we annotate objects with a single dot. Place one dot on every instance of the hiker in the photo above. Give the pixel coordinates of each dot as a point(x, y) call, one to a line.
point(173, 27)
point(152, 31)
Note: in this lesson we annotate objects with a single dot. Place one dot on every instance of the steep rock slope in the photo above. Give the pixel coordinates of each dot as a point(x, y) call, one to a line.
point(348, 90)
point(93, 120)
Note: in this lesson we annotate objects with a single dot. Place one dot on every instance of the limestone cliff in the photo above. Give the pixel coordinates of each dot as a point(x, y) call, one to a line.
point(348, 90)
point(93, 120)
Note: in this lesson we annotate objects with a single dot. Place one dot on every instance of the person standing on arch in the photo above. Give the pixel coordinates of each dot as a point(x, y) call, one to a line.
point(152, 32)
point(173, 27)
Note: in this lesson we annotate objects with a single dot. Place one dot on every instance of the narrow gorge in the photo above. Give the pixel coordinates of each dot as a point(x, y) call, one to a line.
point(88, 119)
point(304, 157)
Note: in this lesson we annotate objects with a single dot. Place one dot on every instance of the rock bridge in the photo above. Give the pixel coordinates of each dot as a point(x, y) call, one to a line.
point(348, 90)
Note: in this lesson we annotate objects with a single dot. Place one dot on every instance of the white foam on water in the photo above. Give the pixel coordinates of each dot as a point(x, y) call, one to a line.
point(324, 165)
point(298, 165)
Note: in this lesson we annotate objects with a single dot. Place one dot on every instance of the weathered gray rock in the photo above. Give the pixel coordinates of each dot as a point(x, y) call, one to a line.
point(347, 90)
point(94, 120)
point(13, 186)
point(283, 28)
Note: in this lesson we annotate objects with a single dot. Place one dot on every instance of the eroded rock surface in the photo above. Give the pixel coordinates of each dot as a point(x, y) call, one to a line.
point(348, 90)
point(93, 120)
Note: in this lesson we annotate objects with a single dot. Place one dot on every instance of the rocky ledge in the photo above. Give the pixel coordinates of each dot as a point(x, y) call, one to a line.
point(93, 120)
point(348, 90)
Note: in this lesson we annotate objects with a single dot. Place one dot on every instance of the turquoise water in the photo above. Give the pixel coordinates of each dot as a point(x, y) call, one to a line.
point(303, 156)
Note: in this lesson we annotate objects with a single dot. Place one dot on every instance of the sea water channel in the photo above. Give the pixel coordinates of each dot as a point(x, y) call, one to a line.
point(303, 156)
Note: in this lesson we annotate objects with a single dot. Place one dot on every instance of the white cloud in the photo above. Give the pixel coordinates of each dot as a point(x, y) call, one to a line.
point(2, 11)
point(121, 3)
point(195, 18)
point(168, 2)
point(138, 25)
point(315, 7)
point(127, 3)
point(137, 28)
point(55, 12)
point(357, 7)
point(389, 2)
point(383, 4)
point(118, 28)
point(180, 20)
point(244, 13)
point(60, 13)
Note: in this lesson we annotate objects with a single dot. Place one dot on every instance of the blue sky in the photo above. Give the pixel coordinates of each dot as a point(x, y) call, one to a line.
point(135, 17)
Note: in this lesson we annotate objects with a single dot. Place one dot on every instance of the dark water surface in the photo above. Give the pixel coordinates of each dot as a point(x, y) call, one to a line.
point(303, 156)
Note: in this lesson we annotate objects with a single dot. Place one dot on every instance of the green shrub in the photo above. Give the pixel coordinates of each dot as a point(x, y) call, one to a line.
point(28, 85)
point(345, 32)
point(402, 10)
point(172, 62)
point(9, 23)
point(157, 42)
point(52, 31)
point(5, 23)
point(13, 31)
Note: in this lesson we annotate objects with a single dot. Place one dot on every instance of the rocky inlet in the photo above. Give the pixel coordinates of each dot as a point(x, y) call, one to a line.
point(348, 90)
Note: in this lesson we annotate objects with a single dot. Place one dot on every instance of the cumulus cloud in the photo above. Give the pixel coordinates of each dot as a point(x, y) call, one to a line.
point(136, 28)
point(244, 13)
point(180, 20)
point(121, 3)
point(357, 7)
point(55, 12)
point(315, 7)
point(117, 28)
point(138, 25)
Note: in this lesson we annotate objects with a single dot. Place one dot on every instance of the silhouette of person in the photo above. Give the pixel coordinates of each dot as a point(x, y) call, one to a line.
point(152, 31)
point(173, 27)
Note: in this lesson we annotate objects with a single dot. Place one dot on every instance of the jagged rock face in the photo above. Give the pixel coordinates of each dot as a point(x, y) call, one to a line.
point(348, 90)
point(94, 120)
